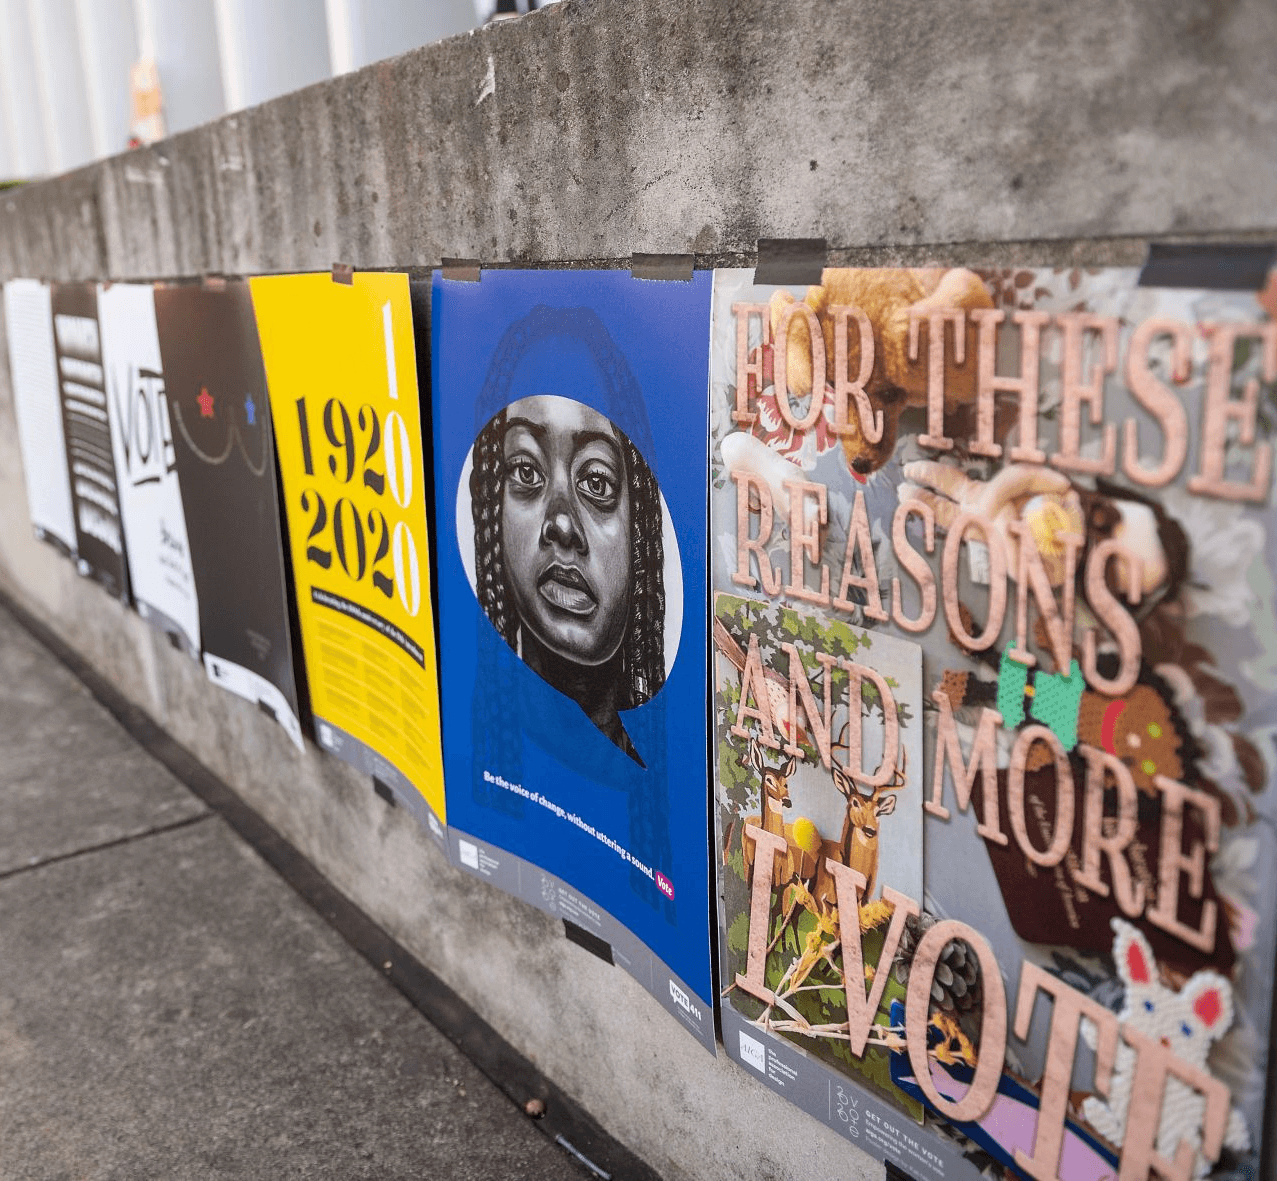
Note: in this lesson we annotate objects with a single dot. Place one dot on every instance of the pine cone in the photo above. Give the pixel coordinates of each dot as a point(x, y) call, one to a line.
point(956, 984)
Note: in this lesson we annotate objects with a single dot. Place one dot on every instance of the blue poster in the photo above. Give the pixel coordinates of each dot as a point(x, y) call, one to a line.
point(570, 412)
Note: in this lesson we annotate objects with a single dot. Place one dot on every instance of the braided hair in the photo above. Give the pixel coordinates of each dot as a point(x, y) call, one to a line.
point(643, 649)
point(487, 478)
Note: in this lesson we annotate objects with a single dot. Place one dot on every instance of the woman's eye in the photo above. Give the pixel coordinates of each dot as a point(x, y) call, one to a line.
point(599, 486)
point(524, 472)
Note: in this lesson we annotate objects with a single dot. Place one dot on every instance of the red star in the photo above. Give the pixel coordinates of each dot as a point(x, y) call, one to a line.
point(206, 403)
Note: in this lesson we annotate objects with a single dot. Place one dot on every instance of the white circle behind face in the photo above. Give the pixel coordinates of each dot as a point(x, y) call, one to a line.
point(566, 530)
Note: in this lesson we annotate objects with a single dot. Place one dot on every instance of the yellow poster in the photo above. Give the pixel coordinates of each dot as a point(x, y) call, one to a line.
point(342, 372)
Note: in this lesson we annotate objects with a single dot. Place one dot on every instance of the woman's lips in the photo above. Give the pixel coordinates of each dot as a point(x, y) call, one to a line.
point(565, 587)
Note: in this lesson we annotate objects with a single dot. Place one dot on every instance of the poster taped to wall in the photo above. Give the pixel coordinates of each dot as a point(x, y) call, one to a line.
point(342, 372)
point(90, 457)
point(994, 672)
point(220, 413)
point(33, 365)
point(159, 555)
point(570, 442)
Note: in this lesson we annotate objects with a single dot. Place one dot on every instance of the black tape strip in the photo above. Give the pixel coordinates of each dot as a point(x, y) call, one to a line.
point(587, 939)
point(669, 268)
point(383, 790)
point(1221, 267)
point(344, 273)
point(513, 1075)
point(795, 261)
point(461, 270)
point(175, 641)
point(896, 1173)
point(268, 710)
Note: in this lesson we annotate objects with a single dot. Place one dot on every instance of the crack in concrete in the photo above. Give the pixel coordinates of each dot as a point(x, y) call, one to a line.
point(114, 843)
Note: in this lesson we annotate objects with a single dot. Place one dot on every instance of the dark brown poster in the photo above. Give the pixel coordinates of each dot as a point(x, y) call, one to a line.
point(226, 467)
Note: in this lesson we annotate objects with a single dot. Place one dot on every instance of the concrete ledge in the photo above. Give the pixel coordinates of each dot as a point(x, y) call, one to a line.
point(592, 130)
point(985, 132)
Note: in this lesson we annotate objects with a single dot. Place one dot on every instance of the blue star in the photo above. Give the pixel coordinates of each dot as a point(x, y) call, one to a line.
point(250, 410)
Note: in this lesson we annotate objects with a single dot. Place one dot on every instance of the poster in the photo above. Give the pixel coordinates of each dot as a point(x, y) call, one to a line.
point(342, 372)
point(33, 366)
point(220, 414)
point(159, 554)
point(570, 445)
point(1019, 519)
point(99, 538)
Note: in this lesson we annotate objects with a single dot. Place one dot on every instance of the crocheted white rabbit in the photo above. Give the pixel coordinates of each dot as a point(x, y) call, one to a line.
point(1188, 1022)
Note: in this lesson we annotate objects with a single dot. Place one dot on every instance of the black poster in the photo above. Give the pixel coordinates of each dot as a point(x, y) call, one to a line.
point(226, 467)
point(87, 429)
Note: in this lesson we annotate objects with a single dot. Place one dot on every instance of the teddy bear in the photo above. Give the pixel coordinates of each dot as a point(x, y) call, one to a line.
point(887, 296)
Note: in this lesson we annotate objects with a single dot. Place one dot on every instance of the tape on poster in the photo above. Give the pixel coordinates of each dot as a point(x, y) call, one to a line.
point(791, 261)
point(587, 939)
point(668, 268)
point(344, 273)
point(461, 270)
point(1220, 267)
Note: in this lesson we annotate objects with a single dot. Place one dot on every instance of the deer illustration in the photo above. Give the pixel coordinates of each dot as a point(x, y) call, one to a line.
point(857, 847)
point(775, 799)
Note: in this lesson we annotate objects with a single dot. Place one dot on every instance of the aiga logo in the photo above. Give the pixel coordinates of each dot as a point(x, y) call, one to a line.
point(469, 854)
point(753, 1052)
point(663, 884)
point(683, 1001)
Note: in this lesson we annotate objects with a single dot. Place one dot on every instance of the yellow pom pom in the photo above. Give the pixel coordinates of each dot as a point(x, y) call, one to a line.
point(806, 835)
point(1047, 517)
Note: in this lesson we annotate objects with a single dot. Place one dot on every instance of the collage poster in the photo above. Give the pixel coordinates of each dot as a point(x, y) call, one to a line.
point(215, 388)
point(33, 365)
point(159, 555)
point(992, 567)
point(570, 443)
point(342, 371)
point(99, 537)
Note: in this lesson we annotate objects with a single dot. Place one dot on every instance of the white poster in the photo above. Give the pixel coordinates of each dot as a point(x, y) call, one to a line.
point(33, 364)
point(141, 435)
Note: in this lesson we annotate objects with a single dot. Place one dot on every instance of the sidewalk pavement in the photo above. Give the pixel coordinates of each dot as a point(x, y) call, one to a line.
point(170, 1008)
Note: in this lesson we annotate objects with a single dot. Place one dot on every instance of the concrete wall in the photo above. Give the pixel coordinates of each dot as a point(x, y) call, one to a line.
point(896, 129)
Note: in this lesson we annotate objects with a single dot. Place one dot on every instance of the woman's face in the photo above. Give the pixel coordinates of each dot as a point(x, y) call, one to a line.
point(565, 526)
